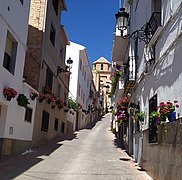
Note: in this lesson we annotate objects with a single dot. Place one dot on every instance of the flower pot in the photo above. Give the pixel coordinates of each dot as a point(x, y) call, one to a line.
point(8, 98)
point(48, 101)
point(163, 119)
point(32, 98)
point(40, 100)
point(53, 107)
point(155, 120)
point(172, 117)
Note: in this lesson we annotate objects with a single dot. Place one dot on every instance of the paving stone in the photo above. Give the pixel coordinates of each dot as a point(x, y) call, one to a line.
point(92, 155)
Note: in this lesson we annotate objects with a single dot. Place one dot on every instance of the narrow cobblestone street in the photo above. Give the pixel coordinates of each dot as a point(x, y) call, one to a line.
point(91, 155)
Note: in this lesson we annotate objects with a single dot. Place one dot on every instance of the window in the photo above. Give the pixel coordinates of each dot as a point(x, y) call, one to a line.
point(65, 97)
point(79, 89)
point(10, 53)
point(28, 114)
point(156, 5)
point(49, 79)
point(84, 98)
point(55, 4)
point(63, 127)
point(61, 55)
point(21, 2)
point(45, 121)
point(102, 66)
point(80, 64)
point(52, 34)
point(83, 71)
point(152, 126)
point(56, 124)
point(59, 90)
point(85, 76)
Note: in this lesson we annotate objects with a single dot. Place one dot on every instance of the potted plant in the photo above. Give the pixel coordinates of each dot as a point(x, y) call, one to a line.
point(155, 117)
point(140, 116)
point(53, 105)
point(48, 99)
point(33, 95)
point(41, 97)
point(9, 93)
point(22, 100)
point(46, 90)
point(167, 110)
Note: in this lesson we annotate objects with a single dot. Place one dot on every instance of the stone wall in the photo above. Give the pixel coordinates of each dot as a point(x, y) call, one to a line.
point(12, 147)
point(163, 160)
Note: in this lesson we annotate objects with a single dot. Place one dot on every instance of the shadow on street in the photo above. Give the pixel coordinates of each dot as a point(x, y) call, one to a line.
point(20, 163)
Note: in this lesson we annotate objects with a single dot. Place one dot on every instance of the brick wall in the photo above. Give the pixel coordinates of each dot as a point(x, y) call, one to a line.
point(34, 42)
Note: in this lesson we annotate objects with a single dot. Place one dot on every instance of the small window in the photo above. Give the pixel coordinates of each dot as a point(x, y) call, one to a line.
point(83, 71)
point(10, 53)
point(65, 97)
point(49, 79)
point(52, 34)
point(85, 76)
point(152, 127)
point(59, 91)
point(55, 4)
point(21, 2)
point(45, 121)
point(61, 55)
point(56, 124)
point(87, 82)
point(63, 127)
point(28, 114)
point(102, 66)
point(84, 98)
point(80, 64)
point(79, 89)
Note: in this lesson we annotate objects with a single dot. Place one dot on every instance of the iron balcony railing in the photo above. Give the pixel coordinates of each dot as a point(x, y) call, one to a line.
point(152, 25)
point(130, 73)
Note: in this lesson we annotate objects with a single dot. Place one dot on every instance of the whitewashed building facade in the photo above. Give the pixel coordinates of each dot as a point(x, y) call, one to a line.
point(80, 84)
point(153, 76)
point(16, 122)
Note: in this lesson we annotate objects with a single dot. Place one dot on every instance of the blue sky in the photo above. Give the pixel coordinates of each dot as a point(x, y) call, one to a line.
point(91, 23)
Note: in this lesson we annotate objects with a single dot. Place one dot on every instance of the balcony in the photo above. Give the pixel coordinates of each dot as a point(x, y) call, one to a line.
point(130, 76)
point(120, 49)
point(119, 91)
point(152, 25)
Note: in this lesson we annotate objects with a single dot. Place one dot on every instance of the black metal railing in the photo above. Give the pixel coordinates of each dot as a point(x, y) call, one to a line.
point(152, 25)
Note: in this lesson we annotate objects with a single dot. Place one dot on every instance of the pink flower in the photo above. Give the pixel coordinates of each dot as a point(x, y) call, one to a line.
point(177, 106)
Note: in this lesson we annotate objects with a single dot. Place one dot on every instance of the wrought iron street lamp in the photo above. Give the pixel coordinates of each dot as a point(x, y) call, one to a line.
point(69, 63)
point(122, 19)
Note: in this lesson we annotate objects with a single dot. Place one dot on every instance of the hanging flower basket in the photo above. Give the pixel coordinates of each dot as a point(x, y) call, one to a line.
point(22, 100)
point(9, 93)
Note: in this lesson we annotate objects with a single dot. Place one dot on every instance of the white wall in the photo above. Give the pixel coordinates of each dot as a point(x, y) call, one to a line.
point(73, 51)
point(14, 18)
point(166, 79)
